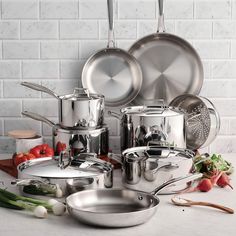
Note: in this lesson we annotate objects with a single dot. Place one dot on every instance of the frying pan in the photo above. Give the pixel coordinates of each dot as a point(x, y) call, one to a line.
point(118, 207)
point(112, 71)
point(170, 65)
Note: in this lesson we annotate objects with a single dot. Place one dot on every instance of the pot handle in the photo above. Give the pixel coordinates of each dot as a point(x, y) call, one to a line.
point(38, 117)
point(176, 181)
point(77, 91)
point(61, 163)
point(40, 88)
point(149, 174)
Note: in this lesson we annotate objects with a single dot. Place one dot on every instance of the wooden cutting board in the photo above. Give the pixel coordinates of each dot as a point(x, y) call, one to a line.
point(8, 167)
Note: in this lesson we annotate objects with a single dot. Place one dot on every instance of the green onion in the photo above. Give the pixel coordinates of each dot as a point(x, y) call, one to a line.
point(39, 207)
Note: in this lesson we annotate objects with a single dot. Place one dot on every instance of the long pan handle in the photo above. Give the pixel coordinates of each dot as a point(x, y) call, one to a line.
point(38, 117)
point(40, 88)
point(176, 181)
point(161, 25)
point(111, 37)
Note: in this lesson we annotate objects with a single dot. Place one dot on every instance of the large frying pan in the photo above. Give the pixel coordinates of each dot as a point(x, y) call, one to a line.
point(170, 65)
point(118, 207)
point(112, 71)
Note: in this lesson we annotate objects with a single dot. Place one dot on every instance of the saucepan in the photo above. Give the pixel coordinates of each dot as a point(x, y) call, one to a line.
point(62, 175)
point(118, 207)
point(81, 110)
point(144, 168)
point(78, 141)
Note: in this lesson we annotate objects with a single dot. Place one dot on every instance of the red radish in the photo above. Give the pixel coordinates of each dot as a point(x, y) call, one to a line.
point(204, 185)
point(223, 181)
point(214, 178)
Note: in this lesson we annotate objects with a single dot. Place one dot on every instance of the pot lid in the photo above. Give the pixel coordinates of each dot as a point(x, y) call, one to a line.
point(156, 152)
point(81, 94)
point(166, 111)
point(48, 168)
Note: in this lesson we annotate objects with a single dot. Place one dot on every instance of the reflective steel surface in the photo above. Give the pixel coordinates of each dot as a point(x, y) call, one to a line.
point(113, 73)
point(170, 67)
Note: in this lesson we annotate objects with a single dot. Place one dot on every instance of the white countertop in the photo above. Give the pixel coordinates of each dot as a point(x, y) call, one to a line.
point(168, 220)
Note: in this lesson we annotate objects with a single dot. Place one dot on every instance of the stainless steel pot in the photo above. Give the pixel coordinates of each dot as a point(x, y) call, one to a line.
point(61, 176)
point(147, 125)
point(145, 168)
point(78, 141)
point(80, 110)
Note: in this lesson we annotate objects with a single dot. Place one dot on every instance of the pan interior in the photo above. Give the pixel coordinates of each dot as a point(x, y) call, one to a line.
point(170, 67)
point(113, 73)
point(111, 201)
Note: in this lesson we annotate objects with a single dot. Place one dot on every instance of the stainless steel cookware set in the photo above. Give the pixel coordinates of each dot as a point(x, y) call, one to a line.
point(164, 122)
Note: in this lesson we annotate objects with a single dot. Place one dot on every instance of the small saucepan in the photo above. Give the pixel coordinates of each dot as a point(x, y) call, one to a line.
point(80, 110)
point(118, 207)
point(146, 167)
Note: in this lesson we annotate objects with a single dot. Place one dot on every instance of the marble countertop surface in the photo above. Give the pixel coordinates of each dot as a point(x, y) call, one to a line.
point(168, 220)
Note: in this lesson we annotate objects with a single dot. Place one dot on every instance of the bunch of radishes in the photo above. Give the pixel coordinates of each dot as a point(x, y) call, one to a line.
point(215, 170)
point(219, 178)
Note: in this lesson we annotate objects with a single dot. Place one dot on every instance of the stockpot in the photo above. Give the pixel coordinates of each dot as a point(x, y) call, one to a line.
point(80, 110)
point(62, 175)
point(151, 125)
point(78, 141)
point(145, 168)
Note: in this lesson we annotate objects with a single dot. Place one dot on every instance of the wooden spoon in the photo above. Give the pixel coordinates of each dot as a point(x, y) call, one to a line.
point(185, 202)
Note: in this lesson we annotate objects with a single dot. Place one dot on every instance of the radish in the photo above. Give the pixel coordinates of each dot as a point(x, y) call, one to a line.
point(224, 181)
point(204, 185)
point(214, 178)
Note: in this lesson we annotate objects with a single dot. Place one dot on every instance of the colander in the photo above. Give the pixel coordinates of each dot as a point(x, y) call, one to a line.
point(201, 117)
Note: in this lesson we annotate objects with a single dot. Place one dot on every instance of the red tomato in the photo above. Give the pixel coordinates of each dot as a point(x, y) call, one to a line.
point(43, 150)
point(22, 157)
point(60, 147)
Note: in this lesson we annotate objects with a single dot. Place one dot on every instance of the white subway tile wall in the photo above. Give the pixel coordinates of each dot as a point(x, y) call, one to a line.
point(48, 42)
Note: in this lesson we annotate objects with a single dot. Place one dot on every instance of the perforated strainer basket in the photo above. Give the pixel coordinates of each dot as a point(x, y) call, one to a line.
point(202, 120)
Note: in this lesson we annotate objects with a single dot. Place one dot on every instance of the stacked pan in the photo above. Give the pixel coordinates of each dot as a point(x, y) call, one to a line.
point(81, 125)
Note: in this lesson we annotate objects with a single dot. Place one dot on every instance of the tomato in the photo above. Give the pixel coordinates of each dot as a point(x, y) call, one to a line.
point(22, 157)
point(60, 147)
point(43, 150)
